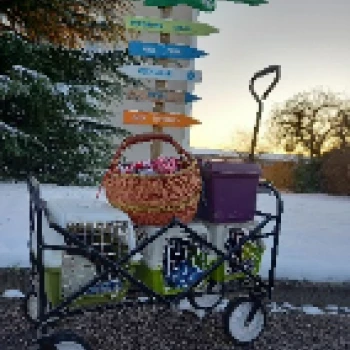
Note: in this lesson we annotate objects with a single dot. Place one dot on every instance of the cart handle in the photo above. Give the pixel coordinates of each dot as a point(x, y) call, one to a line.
point(270, 69)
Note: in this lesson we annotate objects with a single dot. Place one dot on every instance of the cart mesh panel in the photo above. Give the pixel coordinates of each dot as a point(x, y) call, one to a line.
point(249, 255)
point(180, 250)
point(175, 252)
point(110, 239)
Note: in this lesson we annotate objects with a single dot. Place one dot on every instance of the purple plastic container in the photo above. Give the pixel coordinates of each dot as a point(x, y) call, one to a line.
point(229, 191)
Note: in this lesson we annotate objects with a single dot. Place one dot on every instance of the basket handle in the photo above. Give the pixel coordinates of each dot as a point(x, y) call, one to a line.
point(146, 137)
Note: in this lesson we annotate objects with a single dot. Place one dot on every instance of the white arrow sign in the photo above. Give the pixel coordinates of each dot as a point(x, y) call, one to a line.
point(161, 73)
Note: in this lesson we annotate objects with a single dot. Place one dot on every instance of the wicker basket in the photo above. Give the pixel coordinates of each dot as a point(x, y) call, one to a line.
point(153, 200)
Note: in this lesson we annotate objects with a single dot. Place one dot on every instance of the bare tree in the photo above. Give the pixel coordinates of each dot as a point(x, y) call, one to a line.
point(241, 143)
point(308, 121)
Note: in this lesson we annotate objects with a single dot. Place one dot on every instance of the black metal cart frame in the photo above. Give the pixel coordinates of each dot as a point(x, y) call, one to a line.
point(38, 208)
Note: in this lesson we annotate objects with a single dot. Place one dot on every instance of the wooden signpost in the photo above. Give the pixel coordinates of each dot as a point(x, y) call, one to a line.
point(162, 52)
point(156, 147)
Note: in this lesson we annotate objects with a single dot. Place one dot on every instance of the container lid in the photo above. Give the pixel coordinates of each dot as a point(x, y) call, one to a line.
point(65, 211)
point(76, 210)
point(222, 167)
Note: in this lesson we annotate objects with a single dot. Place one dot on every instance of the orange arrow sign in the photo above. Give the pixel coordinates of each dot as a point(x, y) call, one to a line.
point(158, 118)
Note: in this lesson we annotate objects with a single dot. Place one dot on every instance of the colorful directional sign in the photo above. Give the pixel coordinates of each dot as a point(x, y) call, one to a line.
point(172, 51)
point(202, 5)
point(161, 73)
point(158, 118)
point(157, 25)
point(166, 51)
point(179, 97)
point(250, 2)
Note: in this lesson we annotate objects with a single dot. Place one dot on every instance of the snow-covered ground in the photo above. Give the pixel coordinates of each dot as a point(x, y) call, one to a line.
point(314, 242)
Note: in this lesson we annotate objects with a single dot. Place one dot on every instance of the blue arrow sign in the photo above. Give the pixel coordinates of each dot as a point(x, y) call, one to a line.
point(139, 48)
point(189, 98)
point(162, 73)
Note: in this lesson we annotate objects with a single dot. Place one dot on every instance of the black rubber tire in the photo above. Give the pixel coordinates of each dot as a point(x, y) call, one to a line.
point(231, 308)
point(194, 303)
point(56, 341)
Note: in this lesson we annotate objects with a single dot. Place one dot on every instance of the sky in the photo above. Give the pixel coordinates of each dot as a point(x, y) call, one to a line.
point(307, 38)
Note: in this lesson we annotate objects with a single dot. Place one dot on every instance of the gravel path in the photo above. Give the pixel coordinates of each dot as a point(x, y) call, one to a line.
point(142, 329)
point(139, 328)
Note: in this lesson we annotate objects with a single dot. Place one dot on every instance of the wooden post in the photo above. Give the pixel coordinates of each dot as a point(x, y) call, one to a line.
point(156, 146)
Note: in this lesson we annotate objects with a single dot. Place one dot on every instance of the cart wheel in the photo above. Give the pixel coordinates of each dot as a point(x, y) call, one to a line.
point(208, 301)
point(30, 307)
point(64, 340)
point(236, 323)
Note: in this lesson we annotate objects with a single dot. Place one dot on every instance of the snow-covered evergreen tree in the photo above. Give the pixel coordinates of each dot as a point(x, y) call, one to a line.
point(53, 117)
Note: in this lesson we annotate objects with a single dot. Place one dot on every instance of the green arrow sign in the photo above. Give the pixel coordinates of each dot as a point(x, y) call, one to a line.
point(157, 25)
point(250, 2)
point(201, 5)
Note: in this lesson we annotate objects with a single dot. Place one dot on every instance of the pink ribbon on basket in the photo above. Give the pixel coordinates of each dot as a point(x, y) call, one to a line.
point(163, 165)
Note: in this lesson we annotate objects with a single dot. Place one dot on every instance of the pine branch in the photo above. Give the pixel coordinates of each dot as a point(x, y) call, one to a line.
point(14, 131)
